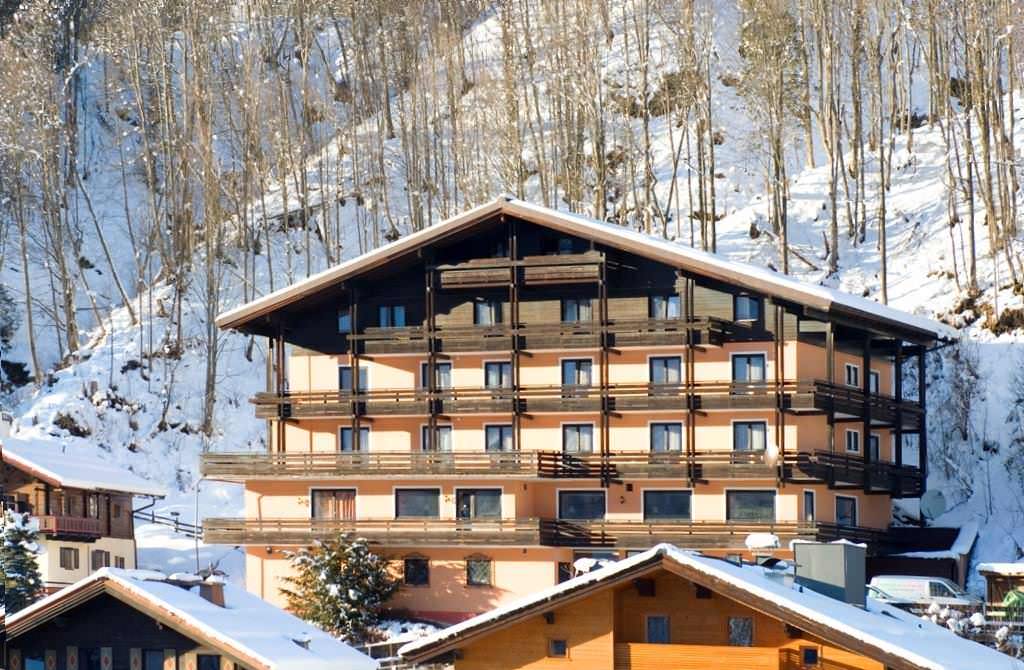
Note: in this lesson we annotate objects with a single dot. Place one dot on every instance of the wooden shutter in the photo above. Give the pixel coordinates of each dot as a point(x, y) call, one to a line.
point(71, 658)
point(188, 661)
point(134, 659)
point(346, 505)
point(106, 658)
point(14, 659)
point(50, 657)
point(226, 663)
point(170, 659)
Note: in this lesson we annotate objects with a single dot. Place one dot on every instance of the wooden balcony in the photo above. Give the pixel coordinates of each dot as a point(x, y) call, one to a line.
point(532, 271)
point(441, 532)
point(849, 471)
point(405, 465)
point(688, 534)
point(641, 656)
point(707, 331)
point(70, 527)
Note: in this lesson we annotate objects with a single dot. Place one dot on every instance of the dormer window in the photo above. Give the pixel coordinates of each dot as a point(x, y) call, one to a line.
point(746, 308)
point(565, 246)
point(486, 311)
point(391, 316)
point(663, 307)
point(344, 321)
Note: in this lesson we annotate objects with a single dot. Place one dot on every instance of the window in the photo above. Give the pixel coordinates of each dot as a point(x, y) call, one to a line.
point(576, 309)
point(939, 590)
point(564, 571)
point(809, 657)
point(749, 435)
point(666, 437)
point(442, 439)
point(33, 662)
point(152, 659)
point(581, 505)
point(666, 505)
point(119, 562)
point(333, 504)
point(347, 444)
point(68, 558)
point(391, 316)
point(417, 503)
point(478, 504)
point(486, 311)
point(746, 308)
point(577, 438)
point(498, 438)
point(657, 629)
point(558, 649)
point(442, 375)
point(809, 512)
point(345, 378)
point(576, 372)
point(207, 662)
point(478, 571)
point(498, 375)
point(852, 375)
point(344, 321)
point(566, 245)
point(100, 559)
point(846, 511)
point(874, 448)
point(741, 631)
point(416, 571)
point(853, 441)
point(92, 506)
point(663, 307)
point(750, 506)
point(874, 381)
point(748, 367)
point(115, 511)
point(665, 369)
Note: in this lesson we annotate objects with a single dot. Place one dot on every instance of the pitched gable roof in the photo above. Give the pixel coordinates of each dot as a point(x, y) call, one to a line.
point(893, 637)
point(749, 276)
point(51, 463)
point(251, 630)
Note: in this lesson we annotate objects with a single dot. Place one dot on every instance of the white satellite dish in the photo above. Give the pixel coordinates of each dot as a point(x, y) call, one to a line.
point(771, 455)
point(933, 504)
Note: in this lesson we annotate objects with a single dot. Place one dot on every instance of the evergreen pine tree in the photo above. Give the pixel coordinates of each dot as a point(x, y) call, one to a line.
point(22, 583)
point(341, 587)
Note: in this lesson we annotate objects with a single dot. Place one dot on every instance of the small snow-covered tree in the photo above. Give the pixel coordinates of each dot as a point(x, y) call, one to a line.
point(22, 582)
point(341, 587)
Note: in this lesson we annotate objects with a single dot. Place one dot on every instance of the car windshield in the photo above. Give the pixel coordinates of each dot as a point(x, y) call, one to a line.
point(875, 592)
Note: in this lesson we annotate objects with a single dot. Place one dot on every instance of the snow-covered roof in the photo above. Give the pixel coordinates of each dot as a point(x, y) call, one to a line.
point(252, 630)
point(879, 628)
point(57, 465)
point(1002, 569)
point(961, 546)
point(743, 274)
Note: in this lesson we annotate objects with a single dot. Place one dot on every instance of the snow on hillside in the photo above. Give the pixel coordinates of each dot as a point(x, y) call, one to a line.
point(143, 410)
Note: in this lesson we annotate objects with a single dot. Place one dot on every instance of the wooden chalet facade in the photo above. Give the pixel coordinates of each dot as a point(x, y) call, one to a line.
point(668, 609)
point(534, 387)
point(83, 509)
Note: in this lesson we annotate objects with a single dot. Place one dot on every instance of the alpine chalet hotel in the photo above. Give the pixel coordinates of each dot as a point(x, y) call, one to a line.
point(494, 397)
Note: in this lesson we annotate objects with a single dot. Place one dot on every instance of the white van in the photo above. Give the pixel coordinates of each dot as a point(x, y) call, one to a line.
point(925, 590)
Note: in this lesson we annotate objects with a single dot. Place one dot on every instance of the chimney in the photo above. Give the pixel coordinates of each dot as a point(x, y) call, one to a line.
point(835, 569)
point(212, 591)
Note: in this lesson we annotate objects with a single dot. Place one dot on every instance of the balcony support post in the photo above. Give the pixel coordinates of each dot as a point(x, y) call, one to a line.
point(602, 302)
point(866, 384)
point(513, 300)
point(684, 286)
point(279, 387)
point(780, 414)
point(922, 440)
point(830, 376)
point(271, 352)
point(353, 360)
point(898, 439)
point(431, 372)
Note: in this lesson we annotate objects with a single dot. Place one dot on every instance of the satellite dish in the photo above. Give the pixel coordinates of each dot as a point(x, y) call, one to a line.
point(771, 455)
point(933, 504)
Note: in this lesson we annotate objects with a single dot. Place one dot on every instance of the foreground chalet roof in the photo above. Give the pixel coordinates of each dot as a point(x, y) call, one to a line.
point(51, 463)
point(888, 635)
point(256, 633)
point(677, 255)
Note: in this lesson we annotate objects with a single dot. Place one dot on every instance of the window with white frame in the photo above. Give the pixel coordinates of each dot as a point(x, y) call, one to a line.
point(852, 375)
point(853, 441)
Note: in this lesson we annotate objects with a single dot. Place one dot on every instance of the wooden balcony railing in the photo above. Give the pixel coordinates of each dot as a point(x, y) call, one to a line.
point(384, 531)
point(523, 532)
point(708, 331)
point(70, 527)
point(837, 470)
point(640, 656)
point(796, 396)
